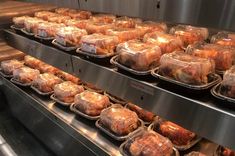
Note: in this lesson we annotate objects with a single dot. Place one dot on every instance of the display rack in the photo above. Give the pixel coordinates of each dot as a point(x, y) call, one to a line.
point(196, 111)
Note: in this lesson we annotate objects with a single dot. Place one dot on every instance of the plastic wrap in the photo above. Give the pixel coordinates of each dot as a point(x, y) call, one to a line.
point(47, 29)
point(99, 44)
point(144, 115)
point(190, 34)
point(68, 77)
point(66, 91)
point(167, 42)
point(138, 55)
point(77, 23)
point(119, 120)
point(69, 35)
point(9, 66)
point(223, 56)
point(19, 21)
point(45, 82)
point(228, 83)
point(224, 38)
point(147, 143)
point(80, 14)
point(58, 18)
point(25, 74)
point(98, 27)
point(32, 62)
point(31, 24)
point(91, 103)
point(186, 68)
point(195, 154)
point(103, 18)
point(223, 151)
point(149, 26)
point(126, 22)
point(44, 15)
point(124, 34)
point(64, 11)
point(46, 68)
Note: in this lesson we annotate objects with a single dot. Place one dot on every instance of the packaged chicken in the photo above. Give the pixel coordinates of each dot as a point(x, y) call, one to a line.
point(64, 11)
point(44, 15)
point(19, 21)
point(32, 62)
point(228, 83)
point(31, 24)
point(77, 23)
point(195, 154)
point(149, 26)
point(167, 42)
point(58, 18)
point(124, 34)
point(69, 35)
point(143, 114)
point(99, 44)
point(126, 22)
point(68, 77)
point(9, 66)
point(103, 18)
point(48, 29)
point(186, 68)
point(98, 27)
point(138, 55)
point(227, 152)
point(147, 143)
point(66, 91)
point(224, 38)
point(119, 120)
point(44, 83)
point(46, 68)
point(80, 14)
point(25, 75)
point(190, 34)
point(223, 56)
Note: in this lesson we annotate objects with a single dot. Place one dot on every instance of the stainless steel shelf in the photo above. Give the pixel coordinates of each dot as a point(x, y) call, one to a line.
point(56, 126)
point(198, 112)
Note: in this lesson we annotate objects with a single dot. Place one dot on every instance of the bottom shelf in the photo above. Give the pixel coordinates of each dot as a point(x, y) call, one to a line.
point(61, 130)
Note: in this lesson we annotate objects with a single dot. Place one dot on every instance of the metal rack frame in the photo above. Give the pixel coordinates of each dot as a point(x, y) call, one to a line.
point(199, 113)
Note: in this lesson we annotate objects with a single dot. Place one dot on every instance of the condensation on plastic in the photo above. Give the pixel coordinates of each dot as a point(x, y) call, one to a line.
point(25, 74)
point(8, 66)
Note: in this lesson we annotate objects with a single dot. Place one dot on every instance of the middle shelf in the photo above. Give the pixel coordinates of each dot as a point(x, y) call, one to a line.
point(200, 113)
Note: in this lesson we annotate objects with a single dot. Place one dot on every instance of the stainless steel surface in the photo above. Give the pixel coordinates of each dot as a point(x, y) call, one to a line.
point(61, 130)
point(199, 112)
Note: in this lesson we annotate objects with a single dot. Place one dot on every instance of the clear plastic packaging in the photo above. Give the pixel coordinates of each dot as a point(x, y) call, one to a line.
point(64, 11)
point(69, 36)
point(167, 42)
point(223, 151)
point(77, 23)
point(80, 14)
point(68, 77)
point(47, 29)
point(58, 18)
point(31, 24)
point(147, 143)
point(25, 75)
point(19, 21)
point(223, 56)
point(190, 34)
point(8, 66)
point(138, 55)
point(66, 91)
point(45, 82)
point(149, 26)
point(98, 27)
point(126, 22)
point(91, 103)
point(186, 68)
point(195, 154)
point(99, 44)
point(46, 68)
point(119, 120)
point(144, 115)
point(44, 15)
point(124, 34)
point(103, 18)
point(224, 38)
point(228, 84)
point(32, 62)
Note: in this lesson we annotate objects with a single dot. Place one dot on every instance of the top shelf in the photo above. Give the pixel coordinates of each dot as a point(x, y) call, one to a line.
point(198, 112)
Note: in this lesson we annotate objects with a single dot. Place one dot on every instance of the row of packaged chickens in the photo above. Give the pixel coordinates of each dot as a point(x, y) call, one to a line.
point(120, 122)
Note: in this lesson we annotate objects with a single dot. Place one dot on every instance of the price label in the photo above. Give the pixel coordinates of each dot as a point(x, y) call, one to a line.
point(88, 48)
point(42, 33)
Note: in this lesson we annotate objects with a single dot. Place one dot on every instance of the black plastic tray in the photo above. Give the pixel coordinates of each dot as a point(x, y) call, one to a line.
point(15, 81)
point(215, 91)
point(44, 38)
point(65, 48)
point(114, 136)
point(193, 142)
point(124, 151)
point(14, 27)
point(59, 101)
point(213, 80)
point(41, 93)
point(23, 30)
point(5, 75)
point(88, 54)
point(218, 151)
point(114, 61)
